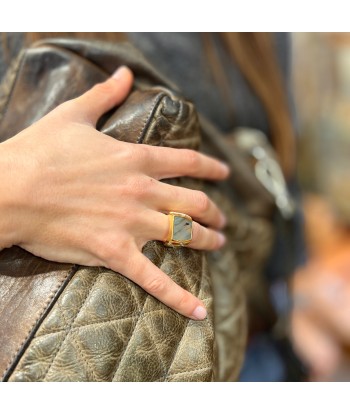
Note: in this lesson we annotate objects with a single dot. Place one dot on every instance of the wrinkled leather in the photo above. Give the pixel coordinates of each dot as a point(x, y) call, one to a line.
point(249, 241)
point(28, 285)
point(105, 328)
point(94, 324)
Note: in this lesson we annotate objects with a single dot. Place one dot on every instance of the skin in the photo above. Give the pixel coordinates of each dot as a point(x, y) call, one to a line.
point(72, 194)
point(320, 320)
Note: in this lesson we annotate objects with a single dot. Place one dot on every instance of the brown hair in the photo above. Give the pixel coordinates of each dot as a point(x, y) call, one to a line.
point(255, 55)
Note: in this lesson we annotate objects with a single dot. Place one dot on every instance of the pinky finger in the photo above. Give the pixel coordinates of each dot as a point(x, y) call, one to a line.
point(143, 272)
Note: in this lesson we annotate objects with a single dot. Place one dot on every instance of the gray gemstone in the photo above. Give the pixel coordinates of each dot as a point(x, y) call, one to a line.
point(182, 228)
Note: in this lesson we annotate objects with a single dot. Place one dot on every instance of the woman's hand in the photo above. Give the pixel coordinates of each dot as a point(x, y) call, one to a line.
point(69, 193)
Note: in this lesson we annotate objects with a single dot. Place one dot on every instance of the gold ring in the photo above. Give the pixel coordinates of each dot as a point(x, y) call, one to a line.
point(180, 229)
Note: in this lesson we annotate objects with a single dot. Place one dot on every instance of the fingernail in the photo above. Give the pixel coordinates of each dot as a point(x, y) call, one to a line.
point(223, 220)
point(199, 313)
point(120, 72)
point(222, 239)
point(225, 167)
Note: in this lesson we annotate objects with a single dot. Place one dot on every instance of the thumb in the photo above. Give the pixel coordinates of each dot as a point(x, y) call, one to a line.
point(104, 96)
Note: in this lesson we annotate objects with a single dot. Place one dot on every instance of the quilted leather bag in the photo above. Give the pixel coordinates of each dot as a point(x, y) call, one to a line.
point(64, 322)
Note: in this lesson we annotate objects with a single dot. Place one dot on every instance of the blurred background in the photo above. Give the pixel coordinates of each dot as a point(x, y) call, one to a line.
point(321, 290)
point(315, 301)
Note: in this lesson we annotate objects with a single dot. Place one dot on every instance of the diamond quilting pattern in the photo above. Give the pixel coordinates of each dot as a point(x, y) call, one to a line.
point(106, 328)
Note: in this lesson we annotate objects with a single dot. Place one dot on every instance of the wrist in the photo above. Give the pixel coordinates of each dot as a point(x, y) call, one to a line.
point(9, 192)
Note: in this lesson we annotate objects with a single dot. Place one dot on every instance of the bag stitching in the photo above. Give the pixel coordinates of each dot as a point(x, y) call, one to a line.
point(155, 344)
point(146, 123)
point(183, 333)
point(77, 345)
point(132, 335)
point(77, 328)
point(84, 361)
point(68, 329)
point(38, 318)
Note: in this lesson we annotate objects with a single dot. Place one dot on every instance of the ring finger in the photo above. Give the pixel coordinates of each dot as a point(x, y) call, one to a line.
point(202, 237)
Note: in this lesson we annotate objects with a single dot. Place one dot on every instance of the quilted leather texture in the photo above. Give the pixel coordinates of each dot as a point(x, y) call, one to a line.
point(249, 241)
point(27, 286)
point(105, 328)
point(101, 326)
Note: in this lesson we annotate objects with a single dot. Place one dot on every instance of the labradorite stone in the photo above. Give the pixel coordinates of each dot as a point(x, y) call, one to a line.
point(182, 228)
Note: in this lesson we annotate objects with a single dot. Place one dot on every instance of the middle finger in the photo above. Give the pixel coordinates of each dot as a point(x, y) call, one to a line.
point(166, 197)
point(167, 162)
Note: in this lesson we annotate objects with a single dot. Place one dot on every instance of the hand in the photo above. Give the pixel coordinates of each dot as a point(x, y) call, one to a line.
point(72, 194)
point(321, 315)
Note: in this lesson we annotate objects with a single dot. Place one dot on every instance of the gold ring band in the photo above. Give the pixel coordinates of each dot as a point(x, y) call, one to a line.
point(180, 229)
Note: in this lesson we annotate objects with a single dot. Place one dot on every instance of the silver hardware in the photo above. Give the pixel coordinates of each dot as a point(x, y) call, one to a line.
point(267, 169)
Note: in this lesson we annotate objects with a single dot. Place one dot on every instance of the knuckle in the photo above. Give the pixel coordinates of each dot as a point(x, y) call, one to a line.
point(140, 243)
point(66, 107)
point(134, 155)
point(102, 88)
point(125, 154)
point(124, 245)
point(145, 187)
point(202, 201)
point(193, 159)
point(105, 252)
point(197, 232)
point(126, 190)
point(138, 187)
point(112, 251)
point(129, 186)
point(184, 301)
point(144, 151)
point(175, 192)
point(155, 286)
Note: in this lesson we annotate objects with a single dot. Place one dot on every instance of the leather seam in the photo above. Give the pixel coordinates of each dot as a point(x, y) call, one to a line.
point(155, 344)
point(34, 326)
point(133, 333)
point(76, 344)
point(149, 331)
point(183, 333)
point(61, 331)
point(177, 348)
point(69, 327)
point(77, 328)
point(84, 361)
point(149, 117)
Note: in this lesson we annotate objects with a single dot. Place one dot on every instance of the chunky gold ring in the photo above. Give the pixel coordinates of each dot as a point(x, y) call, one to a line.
point(180, 229)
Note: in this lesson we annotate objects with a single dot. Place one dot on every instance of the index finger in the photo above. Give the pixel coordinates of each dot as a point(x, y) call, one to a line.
point(165, 162)
point(152, 279)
